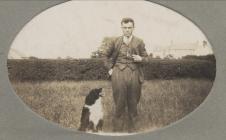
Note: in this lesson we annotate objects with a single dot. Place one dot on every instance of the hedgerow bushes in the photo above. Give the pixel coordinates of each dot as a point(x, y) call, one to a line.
point(93, 69)
point(171, 69)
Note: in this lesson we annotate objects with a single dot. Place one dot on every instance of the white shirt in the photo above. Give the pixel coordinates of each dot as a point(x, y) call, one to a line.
point(127, 40)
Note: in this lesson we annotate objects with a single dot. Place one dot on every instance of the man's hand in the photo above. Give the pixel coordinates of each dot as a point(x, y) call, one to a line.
point(137, 58)
point(110, 72)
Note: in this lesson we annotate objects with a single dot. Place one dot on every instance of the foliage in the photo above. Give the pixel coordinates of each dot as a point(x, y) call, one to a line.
point(93, 69)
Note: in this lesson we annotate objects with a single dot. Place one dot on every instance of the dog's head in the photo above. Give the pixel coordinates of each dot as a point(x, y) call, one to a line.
point(93, 95)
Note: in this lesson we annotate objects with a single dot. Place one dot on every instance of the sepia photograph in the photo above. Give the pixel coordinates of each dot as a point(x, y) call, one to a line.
point(111, 67)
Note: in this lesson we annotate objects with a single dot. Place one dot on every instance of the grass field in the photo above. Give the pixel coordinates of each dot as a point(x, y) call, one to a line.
point(162, 101)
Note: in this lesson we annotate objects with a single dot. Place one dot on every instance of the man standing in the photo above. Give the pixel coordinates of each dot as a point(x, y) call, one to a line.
point(124, 56)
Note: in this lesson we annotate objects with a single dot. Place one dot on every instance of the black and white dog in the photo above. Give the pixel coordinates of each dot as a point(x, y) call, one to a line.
point(92, 112)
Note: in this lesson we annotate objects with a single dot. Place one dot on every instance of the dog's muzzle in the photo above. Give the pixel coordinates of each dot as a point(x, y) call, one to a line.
point(102, 94)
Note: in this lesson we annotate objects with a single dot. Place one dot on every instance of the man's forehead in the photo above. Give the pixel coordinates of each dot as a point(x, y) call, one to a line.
point(129, 24)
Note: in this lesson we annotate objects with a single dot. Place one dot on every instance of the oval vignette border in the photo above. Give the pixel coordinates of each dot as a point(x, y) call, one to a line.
point(206, 37)
point(175, 12)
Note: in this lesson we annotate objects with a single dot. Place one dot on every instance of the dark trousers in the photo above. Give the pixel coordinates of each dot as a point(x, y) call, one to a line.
point(126, 88)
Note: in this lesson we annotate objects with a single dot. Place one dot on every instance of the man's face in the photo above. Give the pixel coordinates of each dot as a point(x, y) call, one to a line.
point(127, 29)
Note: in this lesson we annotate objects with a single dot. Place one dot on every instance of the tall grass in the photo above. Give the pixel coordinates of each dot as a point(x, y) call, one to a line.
point(162, 101)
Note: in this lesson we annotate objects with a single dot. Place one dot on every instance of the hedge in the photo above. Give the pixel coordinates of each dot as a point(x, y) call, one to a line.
point(93, 69)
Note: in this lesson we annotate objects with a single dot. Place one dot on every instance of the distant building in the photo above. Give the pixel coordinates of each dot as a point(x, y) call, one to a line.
point(182, 49)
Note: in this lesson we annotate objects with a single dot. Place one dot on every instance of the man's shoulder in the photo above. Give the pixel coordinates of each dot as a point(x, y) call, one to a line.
point(120, 39)
point(117, 39)
point(114, 38)
point(138, 39)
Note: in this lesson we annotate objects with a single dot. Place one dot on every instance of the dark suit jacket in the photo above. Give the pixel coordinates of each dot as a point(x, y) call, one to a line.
point(138, 48)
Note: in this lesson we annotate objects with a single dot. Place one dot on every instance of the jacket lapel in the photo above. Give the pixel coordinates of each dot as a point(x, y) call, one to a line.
point(134, 46)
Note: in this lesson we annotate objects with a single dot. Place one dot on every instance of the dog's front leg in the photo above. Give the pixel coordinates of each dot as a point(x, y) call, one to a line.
point(100, 125)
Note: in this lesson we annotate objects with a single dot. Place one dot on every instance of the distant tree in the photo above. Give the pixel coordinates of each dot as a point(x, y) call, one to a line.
point(32, 57)
point(69, 57)
point(169, 56)
point(95, 54)
point(99, 52)
point(157, 57)
point(151, 55)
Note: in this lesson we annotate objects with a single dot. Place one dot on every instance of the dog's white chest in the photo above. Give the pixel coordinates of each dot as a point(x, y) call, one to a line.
point(96, 112)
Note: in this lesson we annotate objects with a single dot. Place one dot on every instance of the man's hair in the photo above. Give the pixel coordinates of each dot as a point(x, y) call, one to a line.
point(126, 20)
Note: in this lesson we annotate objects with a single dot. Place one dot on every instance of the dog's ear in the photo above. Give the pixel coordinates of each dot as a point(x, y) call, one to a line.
point(100, 89)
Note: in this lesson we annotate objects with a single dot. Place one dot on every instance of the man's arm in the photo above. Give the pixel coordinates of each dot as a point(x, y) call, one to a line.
point(143, 53)
point(107, 53)
point(143, 56)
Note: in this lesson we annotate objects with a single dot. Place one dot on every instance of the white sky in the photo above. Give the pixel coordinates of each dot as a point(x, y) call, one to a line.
point(77, 28)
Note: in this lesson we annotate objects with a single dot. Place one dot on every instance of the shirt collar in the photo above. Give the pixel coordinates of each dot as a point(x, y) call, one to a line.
point(127, 40)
